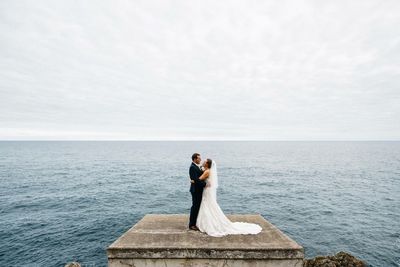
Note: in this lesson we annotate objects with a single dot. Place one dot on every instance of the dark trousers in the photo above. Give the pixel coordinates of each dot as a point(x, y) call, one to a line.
point(194, 210)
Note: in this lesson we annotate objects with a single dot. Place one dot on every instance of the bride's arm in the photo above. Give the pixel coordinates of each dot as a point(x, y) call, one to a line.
point(204, 175)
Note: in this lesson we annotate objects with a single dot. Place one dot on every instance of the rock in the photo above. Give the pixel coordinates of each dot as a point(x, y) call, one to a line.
point(341, 259)
point(73, 264)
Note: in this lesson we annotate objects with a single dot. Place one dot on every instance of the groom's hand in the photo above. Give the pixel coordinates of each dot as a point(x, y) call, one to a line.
point(192, 181)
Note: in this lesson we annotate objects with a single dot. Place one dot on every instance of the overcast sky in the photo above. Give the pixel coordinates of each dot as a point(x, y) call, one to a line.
point(209, 70)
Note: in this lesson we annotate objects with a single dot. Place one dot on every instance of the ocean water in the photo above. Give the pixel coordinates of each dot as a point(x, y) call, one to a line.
point(62, 201)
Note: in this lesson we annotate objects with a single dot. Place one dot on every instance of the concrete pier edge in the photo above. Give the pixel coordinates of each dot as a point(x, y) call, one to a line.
point(165, 240)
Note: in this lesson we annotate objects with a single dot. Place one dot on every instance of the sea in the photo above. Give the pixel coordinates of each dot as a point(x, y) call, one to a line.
point(63, 201)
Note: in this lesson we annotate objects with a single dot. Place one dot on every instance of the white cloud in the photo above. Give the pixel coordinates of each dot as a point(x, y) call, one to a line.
point(275, 70)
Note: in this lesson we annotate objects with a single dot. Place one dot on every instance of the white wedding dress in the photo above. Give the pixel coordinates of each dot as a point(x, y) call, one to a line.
point(211, 219)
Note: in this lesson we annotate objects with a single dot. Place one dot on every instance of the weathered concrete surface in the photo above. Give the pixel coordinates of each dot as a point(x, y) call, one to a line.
point(164, 240)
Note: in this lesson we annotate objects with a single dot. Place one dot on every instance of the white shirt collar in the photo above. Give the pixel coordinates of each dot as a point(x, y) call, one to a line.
point(198, 165)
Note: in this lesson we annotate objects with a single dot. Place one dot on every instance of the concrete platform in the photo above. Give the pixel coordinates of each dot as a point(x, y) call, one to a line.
point(164, 240)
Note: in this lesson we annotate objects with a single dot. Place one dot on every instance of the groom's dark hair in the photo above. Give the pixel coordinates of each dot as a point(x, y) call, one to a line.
point(194, 156)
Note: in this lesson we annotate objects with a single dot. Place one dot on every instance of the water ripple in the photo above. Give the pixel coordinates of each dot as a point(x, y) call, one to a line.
point(64, 201)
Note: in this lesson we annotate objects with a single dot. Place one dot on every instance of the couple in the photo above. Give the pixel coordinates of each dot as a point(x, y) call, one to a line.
point(205, 214)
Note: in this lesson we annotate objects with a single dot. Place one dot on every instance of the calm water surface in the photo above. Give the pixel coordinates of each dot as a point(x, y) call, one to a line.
point(63, 201)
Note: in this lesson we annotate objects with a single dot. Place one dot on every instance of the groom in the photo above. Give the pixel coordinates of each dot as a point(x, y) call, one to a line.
point(196, 189)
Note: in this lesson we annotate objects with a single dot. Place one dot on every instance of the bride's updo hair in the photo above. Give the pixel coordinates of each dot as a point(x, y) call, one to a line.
point(209, 162)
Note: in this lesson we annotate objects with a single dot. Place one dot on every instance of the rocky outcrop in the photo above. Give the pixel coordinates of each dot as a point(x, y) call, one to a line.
point(72, 264)
point(340, 259)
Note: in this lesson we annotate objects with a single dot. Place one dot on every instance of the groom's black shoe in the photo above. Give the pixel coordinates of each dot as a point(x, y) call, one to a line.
point(194, 228)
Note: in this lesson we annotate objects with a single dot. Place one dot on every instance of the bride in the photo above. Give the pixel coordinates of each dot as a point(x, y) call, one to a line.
point(211, 218)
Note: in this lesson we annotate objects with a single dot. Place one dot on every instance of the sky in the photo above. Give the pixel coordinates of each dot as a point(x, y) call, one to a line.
point(200, 70)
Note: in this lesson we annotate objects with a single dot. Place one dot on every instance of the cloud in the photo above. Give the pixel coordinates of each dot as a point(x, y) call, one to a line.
point(273, 70)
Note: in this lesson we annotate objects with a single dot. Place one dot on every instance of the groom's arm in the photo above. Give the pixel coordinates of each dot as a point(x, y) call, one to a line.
point(194, 178)
point(192, 174)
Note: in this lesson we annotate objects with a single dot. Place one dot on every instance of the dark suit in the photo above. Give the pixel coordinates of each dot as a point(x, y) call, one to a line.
point(196, 189)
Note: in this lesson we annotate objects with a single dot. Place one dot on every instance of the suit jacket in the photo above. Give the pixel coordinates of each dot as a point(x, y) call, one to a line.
point(195, 173)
